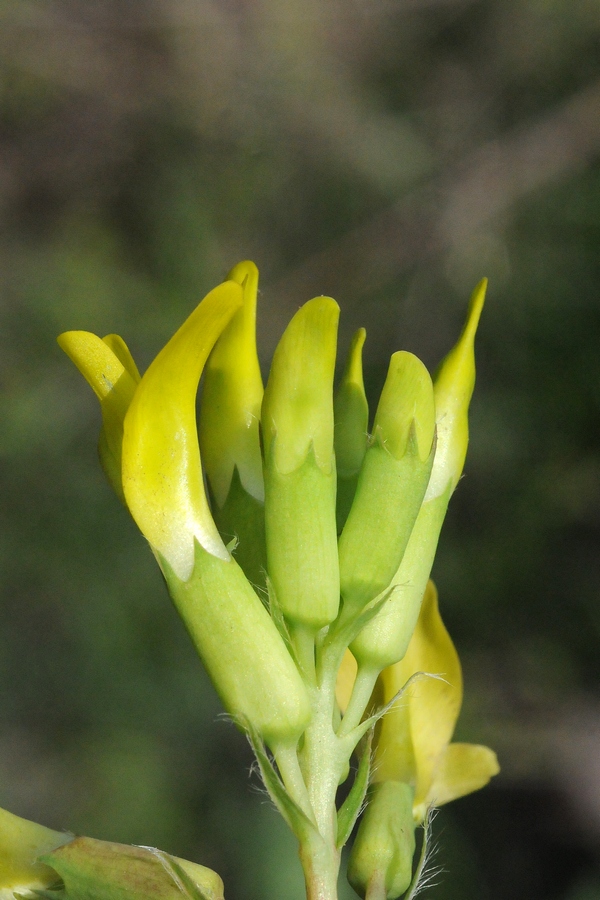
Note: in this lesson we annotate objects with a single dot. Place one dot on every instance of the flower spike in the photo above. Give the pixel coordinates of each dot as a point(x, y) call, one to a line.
point(162, 473)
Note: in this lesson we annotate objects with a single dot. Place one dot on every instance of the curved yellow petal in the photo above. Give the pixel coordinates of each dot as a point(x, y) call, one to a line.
point(415, 734)
point(118, 346)
point(231, 399)
point(434, 704)
point(162, 472)
point(21, 843)
point(108, 367)
point(453, 388)
point(462, 769)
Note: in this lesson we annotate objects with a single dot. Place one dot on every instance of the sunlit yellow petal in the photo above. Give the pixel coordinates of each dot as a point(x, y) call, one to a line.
point(162, 473)
point(21, 843)
point(345, 681)
point(434, 705)
point(423, 719)
point(121, 351)
point(231, 399)
point(109, 369)
point(453, 387)
point(462, 769)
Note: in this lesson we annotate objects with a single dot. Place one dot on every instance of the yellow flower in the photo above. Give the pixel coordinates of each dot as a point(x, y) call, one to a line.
point(149, 425)
point(414, 743)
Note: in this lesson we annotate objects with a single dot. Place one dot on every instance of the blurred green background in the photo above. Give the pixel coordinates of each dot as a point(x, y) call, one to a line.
point(389, 152)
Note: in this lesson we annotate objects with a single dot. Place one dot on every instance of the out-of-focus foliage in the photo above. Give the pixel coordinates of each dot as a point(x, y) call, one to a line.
point(388, 153)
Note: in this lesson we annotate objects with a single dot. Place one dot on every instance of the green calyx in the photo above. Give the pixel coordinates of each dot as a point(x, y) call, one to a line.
point(302, 548)
point(381, 860)
point(241, 648)
point(383, 641)
point(392, 483)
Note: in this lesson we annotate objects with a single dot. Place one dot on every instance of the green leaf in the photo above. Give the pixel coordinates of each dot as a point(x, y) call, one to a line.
point(353, 804)
point(295, 817)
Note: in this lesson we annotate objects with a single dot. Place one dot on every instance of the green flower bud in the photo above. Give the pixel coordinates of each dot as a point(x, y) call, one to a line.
point(229, 431)
point(21, 844)
point(351, 414)
point(381, 859)
point(384, 640)
point(392, 482)
point(102, 870)
point(299, 468)
point(241, 648)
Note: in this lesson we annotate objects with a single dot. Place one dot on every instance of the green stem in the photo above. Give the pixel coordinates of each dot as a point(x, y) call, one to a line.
point(286, 757)
point(303, 640)
point(359, 700)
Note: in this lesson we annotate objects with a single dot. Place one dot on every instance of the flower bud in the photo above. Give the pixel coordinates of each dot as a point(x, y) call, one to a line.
point(103, 870)
point(351, 415)
point(391, 484)
point(299, 467)
point(21, 844)
point(381, 859)
point(109, 369)
point(162, 472)
point(229, 431)
point(384, 640)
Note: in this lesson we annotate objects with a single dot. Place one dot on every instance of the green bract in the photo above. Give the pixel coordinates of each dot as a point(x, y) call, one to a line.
point(272, 599)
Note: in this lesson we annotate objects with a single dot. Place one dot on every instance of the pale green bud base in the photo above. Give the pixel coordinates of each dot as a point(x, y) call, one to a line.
point(302, 542)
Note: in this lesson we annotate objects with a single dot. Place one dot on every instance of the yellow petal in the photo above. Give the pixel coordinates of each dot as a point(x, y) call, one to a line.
point(453, 388)
point(121, 351)
point(424, 719)
point(109, 369)
point(21, 843)
point(462, 769)
point(162, 472)
point(345, 681)
point(231, 399)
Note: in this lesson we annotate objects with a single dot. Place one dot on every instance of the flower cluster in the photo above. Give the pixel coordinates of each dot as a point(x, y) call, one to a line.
point(297, 543)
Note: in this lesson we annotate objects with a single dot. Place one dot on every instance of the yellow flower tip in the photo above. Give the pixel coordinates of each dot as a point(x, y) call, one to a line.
point(232, 397)
point(406, 407)
point(297, 410)
point(246, 274)
point(351, 412)
point(354, 367)
point(118, 346)
point(108, 367)
point(453, 388)
point(21, 843)
point(97, 362)
point(162, 472)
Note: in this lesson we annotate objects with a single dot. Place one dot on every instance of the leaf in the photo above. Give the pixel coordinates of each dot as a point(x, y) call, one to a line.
point(295, 817)
point(353, 804)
